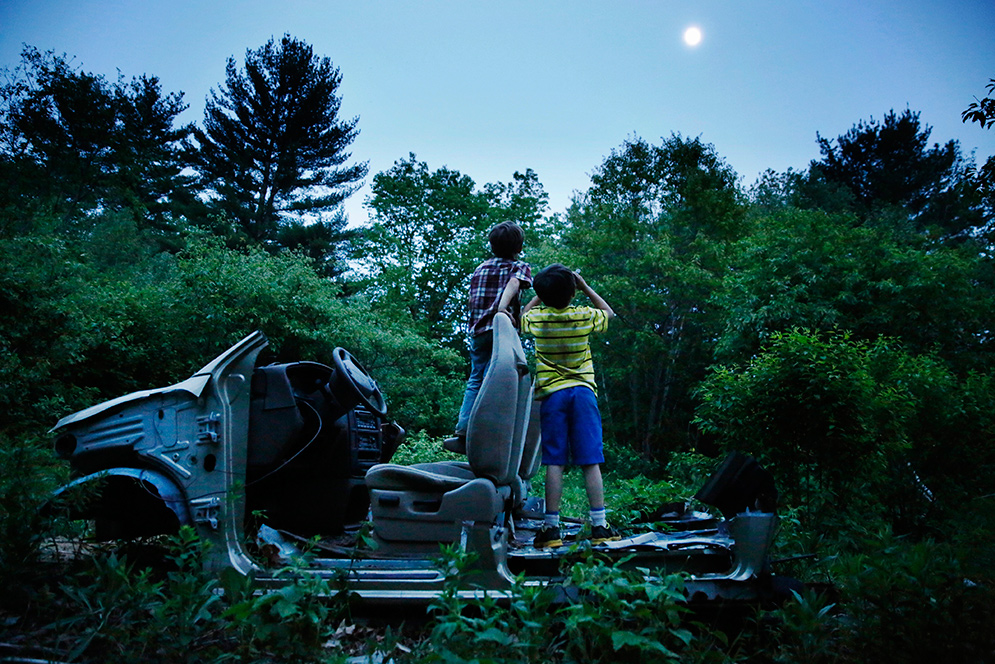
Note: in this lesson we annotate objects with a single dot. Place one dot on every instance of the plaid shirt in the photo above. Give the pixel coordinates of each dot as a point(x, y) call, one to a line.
point(487, 284)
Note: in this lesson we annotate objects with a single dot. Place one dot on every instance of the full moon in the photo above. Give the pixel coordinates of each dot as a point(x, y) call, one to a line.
point(692, 36)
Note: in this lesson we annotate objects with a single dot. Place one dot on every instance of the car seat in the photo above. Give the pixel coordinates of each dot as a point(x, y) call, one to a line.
point(429, 502)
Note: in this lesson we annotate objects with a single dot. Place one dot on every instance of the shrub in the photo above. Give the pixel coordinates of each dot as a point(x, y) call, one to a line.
point(865, 426)
point(24, 484)
point(909, 602)
point(808, 403)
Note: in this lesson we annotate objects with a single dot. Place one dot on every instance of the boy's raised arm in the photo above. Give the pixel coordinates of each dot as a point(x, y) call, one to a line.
point(509, 294)
point(596, 300)
point(532, 303)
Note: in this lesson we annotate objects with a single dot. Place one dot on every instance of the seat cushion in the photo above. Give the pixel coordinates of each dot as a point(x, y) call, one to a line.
point(393, 477)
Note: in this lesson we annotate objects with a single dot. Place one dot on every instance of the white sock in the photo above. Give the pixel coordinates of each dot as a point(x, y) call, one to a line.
point(552, 520)
point(598, 517)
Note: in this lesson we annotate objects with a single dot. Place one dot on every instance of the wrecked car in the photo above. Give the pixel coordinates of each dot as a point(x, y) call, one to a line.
point(306, 449)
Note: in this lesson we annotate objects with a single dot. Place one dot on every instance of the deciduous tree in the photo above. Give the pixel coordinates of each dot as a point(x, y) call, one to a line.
point(651, 231)
point(429, 231)
point(982, 111)
point(819, 271)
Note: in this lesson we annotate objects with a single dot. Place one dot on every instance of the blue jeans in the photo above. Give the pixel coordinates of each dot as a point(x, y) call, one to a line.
point(480, 357)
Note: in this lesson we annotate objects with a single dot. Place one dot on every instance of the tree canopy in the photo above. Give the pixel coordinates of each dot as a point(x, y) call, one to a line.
point(890, 166)
point(75, 144)
point(429, 231)
point(649, 235)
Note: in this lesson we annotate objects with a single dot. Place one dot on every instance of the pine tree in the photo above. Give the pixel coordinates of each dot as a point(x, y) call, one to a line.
point(890, 166)
point(273, 146)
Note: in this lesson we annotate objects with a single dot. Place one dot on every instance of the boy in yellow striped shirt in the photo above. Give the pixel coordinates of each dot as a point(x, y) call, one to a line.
point(565, 386)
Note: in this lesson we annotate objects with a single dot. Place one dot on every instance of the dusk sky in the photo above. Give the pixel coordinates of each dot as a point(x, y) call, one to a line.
point(491, 88)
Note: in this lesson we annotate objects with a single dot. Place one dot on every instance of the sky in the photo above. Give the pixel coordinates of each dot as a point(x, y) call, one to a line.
point(491, 88)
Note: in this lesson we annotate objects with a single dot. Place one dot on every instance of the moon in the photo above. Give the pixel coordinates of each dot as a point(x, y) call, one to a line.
point(692, 36)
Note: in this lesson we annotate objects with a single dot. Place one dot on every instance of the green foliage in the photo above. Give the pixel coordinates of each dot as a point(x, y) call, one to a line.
point(76, 144)
point(808, 630)
point(819, 271)
point(601, 613)
point(808, 402)
point(419, 447)
point(884, 427)
point(632, 500)
point(892, 600)
point(113, 610)
point(645, 615)
point(650, 235)
point(429, 231)
point(688, 471)
point(486, 629)
point(855, 423)
point(889, 165)
point(24, 482)
point(982, 111)
point(912, 602)
point(116, 331)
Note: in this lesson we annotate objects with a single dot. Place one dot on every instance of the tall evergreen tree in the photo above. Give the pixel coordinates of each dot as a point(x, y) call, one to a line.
point(273, 147)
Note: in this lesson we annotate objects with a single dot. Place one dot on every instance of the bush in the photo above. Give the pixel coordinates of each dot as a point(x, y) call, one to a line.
point(807, 403)
point(25, 480)
point(860, 425)
point(80, 332)
point(909, 602)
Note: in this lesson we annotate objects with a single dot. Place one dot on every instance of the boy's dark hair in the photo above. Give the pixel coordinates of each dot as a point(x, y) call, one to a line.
point(555, 286)
point(507, 239)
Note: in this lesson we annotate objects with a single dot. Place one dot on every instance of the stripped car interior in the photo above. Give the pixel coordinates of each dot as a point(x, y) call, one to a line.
point(264, 461)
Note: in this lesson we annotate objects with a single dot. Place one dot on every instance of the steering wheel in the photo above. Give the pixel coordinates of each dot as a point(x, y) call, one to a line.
point(359, 381)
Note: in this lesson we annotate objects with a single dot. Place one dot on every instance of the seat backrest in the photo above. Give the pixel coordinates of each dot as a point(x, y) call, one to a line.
point(275, 420)
point(496, 431)
point(530, 453)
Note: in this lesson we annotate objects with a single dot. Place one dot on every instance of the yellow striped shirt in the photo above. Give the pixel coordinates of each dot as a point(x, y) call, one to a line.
point(563, 351)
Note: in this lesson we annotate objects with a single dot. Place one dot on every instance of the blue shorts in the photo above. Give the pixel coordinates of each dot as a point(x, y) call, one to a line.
point(571, 428)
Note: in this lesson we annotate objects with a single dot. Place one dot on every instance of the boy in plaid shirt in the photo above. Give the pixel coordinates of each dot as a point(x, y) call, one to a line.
point(494, 286)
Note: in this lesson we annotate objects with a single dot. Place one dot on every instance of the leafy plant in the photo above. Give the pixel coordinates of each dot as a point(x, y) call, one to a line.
point(601, 612)
point(23, 528)
point(809, 629)
point(486, 628)
point(808, 405)
point(113, 610)
point(912, 602)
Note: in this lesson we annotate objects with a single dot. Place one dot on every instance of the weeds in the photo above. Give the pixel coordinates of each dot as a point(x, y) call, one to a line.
point(114, 611)
point(600, 612)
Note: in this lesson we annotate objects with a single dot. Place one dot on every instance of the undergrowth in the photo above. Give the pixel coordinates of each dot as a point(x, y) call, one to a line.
point(109, 609)
point(600, 612)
